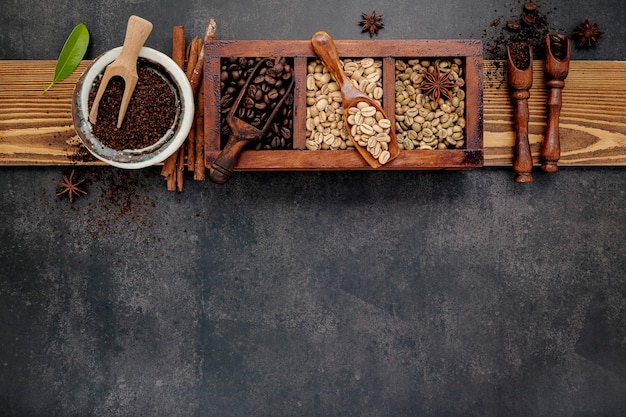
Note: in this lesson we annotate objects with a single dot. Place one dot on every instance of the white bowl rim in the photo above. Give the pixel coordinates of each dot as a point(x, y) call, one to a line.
point(186, 97)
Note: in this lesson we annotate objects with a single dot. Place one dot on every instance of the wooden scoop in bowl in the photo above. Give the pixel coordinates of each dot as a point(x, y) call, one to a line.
point(124, 66)
point(352, 97)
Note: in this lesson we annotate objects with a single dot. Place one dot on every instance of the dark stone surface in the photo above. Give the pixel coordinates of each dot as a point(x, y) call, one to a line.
point(24, 22)
point(309, 293)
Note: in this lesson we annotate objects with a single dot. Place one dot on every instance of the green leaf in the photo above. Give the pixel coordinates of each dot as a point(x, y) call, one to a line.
point(72, 53)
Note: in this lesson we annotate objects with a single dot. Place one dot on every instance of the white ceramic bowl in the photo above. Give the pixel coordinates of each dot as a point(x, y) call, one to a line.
point(164, 147)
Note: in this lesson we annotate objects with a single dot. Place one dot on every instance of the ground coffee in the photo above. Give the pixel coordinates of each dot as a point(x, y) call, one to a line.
point(151, 111)
point(520, 55)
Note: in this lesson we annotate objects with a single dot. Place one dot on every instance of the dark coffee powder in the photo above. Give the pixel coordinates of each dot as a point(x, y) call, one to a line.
point(520, 55)
point(150, 113)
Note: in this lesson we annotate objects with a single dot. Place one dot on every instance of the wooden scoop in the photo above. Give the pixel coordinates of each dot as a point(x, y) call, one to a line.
point(325, 48)
point(125, 66)
point(557, 67)
point(242, 132)
point(520, 81)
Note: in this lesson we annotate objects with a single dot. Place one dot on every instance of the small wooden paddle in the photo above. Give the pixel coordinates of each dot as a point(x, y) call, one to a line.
point(557, 67)
point(520, 80)
point(124, 66)
point(325, 48)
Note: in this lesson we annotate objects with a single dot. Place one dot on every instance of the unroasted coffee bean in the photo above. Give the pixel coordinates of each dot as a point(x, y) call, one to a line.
point(325, 127)
point(370, 130)
point(420, 122)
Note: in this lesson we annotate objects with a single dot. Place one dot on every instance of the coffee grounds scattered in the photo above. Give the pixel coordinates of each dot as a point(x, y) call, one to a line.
point(498, 35)
point(150, 113)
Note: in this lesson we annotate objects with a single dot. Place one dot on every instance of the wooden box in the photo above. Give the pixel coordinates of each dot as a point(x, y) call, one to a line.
point(299, 157)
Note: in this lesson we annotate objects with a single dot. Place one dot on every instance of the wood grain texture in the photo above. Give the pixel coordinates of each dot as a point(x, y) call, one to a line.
point(36, 128)
point(593, 115)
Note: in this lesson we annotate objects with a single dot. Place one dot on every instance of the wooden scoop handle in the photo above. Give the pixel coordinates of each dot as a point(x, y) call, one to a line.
point(523, 160)
point(125, 66)
point(137, 32)
point(557, 67)
point(325, 48)
point(222, 168)
point(520, 81)
point(551, 147)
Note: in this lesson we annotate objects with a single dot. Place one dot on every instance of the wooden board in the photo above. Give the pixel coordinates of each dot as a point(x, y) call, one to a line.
point(592, 122)
point(36, 129)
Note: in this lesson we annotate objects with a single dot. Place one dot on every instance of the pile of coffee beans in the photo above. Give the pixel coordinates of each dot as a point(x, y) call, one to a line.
point(370, 129)
point(421, 122)
point(266, 89)
point(325, 127)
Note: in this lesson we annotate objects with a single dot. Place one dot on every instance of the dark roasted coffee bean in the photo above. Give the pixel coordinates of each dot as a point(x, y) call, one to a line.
point(248, 102)
point(252, 90)
point(285, 133)
point(226, 101)
point(262, 96)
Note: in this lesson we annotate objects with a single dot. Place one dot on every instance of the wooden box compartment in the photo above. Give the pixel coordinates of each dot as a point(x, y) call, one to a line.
point(298, 157)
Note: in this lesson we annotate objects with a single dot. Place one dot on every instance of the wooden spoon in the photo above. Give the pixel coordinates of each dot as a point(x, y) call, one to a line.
point(325, 48)
point(520, 80)
point(557, 67)
point(125, 66)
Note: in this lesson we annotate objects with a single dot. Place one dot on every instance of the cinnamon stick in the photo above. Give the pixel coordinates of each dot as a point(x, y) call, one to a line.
point(192, 59)
point(197, 81)
point(193, 149)
point(178, 45)
point(178, 55)
point(209, 35)
point(180, 170)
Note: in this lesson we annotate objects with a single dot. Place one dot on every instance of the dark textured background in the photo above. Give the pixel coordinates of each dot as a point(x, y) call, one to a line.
point(310, 293)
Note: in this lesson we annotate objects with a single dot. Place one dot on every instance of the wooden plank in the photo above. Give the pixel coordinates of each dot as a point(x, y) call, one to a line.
point(36, 129)
point(592, 122)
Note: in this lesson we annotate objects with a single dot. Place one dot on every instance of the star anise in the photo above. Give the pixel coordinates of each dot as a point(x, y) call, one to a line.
point(69, 186)
point(587, 34)
point(436, 84)
point(371, 23)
